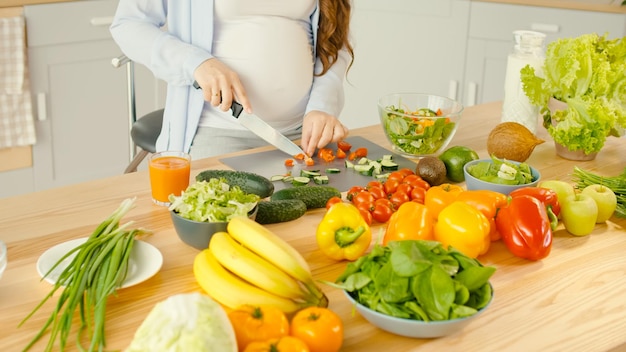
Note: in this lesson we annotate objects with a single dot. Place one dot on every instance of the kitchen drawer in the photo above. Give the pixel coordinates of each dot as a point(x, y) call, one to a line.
point(69, 22)
point(498, 21)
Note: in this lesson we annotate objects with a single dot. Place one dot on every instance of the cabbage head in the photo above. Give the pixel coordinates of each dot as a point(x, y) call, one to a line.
point(183, 323)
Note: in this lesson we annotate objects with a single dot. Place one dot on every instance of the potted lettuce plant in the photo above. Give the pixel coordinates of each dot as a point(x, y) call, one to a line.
point(581, 92)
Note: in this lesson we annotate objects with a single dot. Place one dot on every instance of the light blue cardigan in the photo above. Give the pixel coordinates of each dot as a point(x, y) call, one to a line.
point(173, 55)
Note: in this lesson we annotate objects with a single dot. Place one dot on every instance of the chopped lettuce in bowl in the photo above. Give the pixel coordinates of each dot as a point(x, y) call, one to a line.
point(213, 201)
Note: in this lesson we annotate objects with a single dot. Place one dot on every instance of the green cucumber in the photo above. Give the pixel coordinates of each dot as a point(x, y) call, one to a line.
point(313, 196)
point(332, 170)
point(248, 182)
point(275, 211)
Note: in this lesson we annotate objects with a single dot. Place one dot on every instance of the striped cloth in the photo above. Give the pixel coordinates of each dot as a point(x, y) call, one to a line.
point(17, 127)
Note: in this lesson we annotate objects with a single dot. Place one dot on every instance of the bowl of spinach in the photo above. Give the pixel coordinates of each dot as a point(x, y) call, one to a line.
point(417, 288)
point(418, 124)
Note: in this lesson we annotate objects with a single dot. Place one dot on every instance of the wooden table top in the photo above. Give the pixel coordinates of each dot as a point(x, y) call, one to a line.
point(575, 299)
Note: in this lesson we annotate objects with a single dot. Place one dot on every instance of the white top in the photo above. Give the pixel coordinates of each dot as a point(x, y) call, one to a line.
point(267, 44)
point(173, 55)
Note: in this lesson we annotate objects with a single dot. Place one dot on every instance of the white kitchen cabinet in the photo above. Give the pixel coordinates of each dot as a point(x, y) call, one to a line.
point(80, 100)
point(491, 27)
point(404, 46)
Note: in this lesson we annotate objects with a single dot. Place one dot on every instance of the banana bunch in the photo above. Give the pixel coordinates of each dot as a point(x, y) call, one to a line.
point(249, 264)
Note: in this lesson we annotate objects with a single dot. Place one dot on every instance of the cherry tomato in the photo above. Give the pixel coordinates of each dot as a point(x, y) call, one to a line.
point(360, 152)
point(340, 154)
point(366, 214)
point(390, 186)
point(343, 145)
point(381, 213)
point(320, 328)
point(332, 201)
point(363, 197)
point(406, 171)
point(374, 184)
point(257, 323)
point(418, 194)
point(399, 198)
point(386, 202)
point(410, 178)
point(419, 183)
point(353, 191)
point(404, 187)
point(395, 176)
point(378, 192)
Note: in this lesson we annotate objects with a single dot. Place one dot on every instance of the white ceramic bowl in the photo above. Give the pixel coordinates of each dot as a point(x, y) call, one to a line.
point(416, 136)
point(473, 183)
point(414, 328)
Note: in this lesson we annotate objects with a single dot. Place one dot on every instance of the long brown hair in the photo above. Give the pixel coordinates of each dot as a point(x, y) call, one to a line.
point(332, 34)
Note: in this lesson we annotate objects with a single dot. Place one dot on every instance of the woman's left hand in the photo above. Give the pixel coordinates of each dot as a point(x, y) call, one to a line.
point(319, 129)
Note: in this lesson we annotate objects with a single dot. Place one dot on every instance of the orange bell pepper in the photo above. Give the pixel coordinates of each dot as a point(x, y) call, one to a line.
point(412, 221)
point(464, 228)
point(439, 197)
point(488, 202)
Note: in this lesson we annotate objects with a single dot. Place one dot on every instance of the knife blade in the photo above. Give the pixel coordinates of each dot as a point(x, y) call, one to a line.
point(262, 129)
point(265, 131)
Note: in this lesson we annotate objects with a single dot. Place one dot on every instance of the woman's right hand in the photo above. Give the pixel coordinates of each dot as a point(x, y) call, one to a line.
point(220, 85)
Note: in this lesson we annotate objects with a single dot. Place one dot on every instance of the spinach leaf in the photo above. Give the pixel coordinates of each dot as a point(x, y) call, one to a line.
point(475, 277)
point(434, 290)
point(391, 287)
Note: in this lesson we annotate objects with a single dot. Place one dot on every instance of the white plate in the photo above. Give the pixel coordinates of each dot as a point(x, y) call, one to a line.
point(145, 261)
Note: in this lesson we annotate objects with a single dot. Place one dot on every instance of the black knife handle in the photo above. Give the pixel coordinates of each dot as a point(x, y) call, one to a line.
point(236, 108)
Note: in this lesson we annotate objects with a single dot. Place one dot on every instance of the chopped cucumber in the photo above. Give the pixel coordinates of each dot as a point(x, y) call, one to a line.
point(320, 180)
point(300, 181)
point(332, 171)
point(388, 165)
point(367, 170)
point(277, 178)
point(309, 173)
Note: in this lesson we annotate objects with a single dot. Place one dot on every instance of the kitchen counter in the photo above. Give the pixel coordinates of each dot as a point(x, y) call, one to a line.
point(571, 300)
point(587, 5)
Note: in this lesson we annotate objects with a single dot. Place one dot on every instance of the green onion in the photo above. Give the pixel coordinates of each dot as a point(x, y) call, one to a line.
point(99, 267)
point(617, 184)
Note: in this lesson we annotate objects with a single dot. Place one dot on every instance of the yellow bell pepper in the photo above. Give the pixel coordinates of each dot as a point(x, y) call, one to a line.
point(463, 227)
point(343, 233)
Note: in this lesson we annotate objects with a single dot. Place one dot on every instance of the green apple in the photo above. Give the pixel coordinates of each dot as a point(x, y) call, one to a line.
point(579, 213)
point(563, 189)
point(605, 200)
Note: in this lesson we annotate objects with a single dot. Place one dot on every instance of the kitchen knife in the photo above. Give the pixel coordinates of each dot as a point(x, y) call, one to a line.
point(263, 129)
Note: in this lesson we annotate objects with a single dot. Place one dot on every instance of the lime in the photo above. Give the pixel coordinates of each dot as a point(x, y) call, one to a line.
point(455, 158)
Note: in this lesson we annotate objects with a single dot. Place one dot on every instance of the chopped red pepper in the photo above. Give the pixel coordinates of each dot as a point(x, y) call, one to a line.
point(525, 228)
point(289, 162)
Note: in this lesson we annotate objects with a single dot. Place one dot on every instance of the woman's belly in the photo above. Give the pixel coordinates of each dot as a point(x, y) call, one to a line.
point(274, 60)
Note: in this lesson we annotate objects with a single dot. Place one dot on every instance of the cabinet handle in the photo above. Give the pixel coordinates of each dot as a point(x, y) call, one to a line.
point(101, 21)
point(471, 93)
point(41, 107)
point(452, 89)
point(545, 27)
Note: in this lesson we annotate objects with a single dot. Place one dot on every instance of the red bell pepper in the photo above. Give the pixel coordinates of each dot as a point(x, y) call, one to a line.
point(548, 197)
point(525, 227)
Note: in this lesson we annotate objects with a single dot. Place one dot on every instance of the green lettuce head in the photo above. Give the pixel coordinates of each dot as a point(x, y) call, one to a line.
point(589, 74)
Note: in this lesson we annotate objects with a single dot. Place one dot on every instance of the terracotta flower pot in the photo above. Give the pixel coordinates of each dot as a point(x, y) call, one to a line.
point(561, 150)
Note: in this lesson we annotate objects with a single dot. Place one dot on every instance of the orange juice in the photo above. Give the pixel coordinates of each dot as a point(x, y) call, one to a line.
point(169, 174)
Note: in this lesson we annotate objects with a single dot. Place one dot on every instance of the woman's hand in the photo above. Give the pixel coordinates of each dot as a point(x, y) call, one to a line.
point(220, 85)
point(319, 129)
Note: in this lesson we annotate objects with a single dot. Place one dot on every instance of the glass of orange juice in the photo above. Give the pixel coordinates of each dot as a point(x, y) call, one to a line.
point(169, 174)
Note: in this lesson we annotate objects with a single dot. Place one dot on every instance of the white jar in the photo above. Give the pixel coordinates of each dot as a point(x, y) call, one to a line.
point(528, 50)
